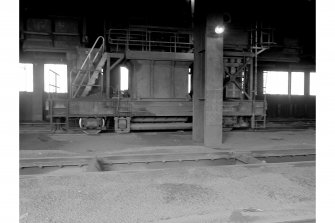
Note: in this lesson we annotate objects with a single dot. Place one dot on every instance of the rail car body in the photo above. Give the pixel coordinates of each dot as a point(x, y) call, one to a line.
point(158, 94)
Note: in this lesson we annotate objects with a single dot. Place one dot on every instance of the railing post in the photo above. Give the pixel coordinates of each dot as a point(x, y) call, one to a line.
point(50, 112)
point(175, 43)
point(67, 115)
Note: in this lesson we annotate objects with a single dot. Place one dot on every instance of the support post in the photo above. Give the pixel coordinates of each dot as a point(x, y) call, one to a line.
point(208, 76)
point(38, 79)
point(198, 77)
point(108, 77)
point(213, 82)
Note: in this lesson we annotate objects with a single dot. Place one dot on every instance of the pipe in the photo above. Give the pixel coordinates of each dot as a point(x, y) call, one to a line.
point(159, 119)
point(160, 126)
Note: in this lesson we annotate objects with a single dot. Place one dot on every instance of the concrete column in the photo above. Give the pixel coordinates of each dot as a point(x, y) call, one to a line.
point(71, 57)
point(38, 77)
point(213, 82)
point(198, 77)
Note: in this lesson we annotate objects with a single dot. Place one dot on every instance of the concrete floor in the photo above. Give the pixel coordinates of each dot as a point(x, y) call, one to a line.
point(255, 193)
point(269, 193)
point(51, 145)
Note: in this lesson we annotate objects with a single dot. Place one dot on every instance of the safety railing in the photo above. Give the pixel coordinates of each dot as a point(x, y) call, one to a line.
point(55, 86)
point(150, 39)
point(87, 67)
point(54, 126)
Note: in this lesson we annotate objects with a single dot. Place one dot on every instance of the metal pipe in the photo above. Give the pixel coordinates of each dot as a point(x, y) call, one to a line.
point(159, 119)
point(51, 114)
point(160, 126)
point(108, 79)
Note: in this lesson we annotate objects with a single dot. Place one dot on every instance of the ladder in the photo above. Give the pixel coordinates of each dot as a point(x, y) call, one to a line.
point(89, 71)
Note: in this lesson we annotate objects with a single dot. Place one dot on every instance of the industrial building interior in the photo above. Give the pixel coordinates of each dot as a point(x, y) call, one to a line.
point(167, 111)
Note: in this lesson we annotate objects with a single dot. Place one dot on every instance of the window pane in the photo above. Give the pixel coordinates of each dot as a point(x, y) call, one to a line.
point(312, 83)
point(26, 77)
point(189, 83)
point(55, 78)
point(124, 78)
point(297, 83)
point(275, 82)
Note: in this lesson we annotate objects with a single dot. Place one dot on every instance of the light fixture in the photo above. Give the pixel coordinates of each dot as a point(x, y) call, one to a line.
point(219, 29)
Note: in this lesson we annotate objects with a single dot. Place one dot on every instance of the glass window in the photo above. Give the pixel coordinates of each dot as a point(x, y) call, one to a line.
point(189, 83)
point(297, 83)
point(124, 78)
point(55, 78)
point(312, 83)
point(275, 82)
point(26, 77)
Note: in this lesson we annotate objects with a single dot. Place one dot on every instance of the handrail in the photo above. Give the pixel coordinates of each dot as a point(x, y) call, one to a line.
point(101, 49)
point(50, 85)
point(89, 53)
point(148, 38)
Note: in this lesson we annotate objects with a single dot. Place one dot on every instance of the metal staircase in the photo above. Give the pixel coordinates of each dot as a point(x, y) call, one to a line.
point(89, 71)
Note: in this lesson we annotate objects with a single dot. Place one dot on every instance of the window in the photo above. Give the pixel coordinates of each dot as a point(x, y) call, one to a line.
point(55, 78)
point(275, 82)
point(312, 83)
point(297, 83)
point(124, 73)
point(26, 77)
point(189, 81)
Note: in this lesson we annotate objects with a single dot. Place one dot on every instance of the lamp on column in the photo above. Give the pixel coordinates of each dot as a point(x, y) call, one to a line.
point(219, 29)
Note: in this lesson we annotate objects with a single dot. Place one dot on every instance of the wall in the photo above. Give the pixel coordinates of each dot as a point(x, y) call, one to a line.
point(288, 106)
point(26, 113)
point(283, 106)
point(25, 106)
point(50, 33)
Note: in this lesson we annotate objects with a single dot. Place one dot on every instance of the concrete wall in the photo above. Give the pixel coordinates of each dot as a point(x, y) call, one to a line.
point(47, 33)
point(25, 106)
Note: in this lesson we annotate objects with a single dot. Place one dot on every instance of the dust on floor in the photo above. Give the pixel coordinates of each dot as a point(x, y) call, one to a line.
point(202, 194)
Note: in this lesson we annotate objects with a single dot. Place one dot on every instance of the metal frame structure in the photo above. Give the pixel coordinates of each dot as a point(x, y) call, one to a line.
point(89, 71)
point(240, 72)
point(150, 39)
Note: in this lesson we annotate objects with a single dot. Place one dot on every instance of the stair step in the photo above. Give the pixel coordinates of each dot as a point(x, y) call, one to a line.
point(95, 75)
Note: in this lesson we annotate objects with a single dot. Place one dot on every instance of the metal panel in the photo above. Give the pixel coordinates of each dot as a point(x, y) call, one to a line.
point(94, 108)
point(39, 25)
point(162, 77)
point(143, 55)
point(181, 79)
point(152, 108)
point(66, 26)
point(141, 76)
point(162, 108)
point(242, 108)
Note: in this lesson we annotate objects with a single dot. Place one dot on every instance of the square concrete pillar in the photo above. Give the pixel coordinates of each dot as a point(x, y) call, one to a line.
point(198, 81)
point(213, 82)
point(38, 77)
point(207, 79)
